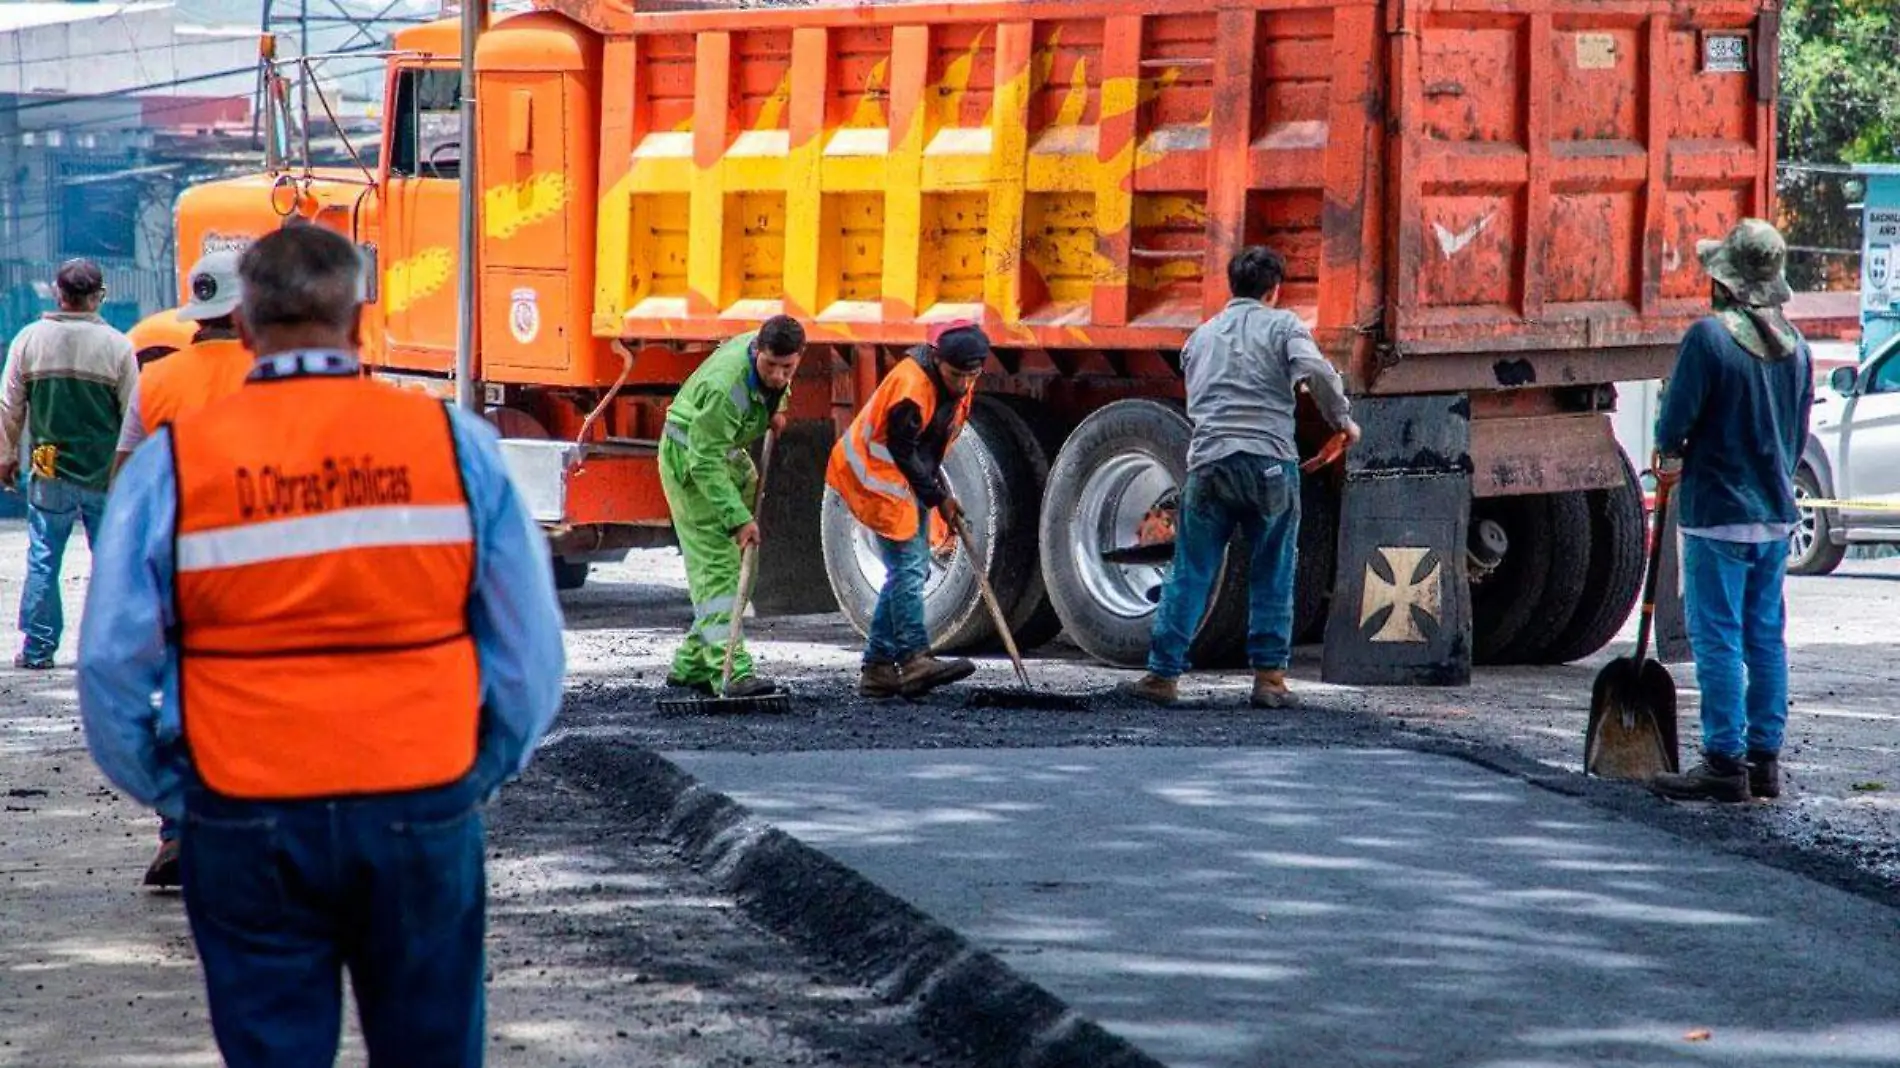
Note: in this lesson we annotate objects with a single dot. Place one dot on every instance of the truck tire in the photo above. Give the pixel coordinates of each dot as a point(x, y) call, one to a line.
point(1032, 620)
point(1810, 552)
point(1618, 536)
point(791, 558)
point(1504, 602)
point(1318, 558)
point(1566, 574)
point(985, 470)
point(1122, 460)
point(569, 574)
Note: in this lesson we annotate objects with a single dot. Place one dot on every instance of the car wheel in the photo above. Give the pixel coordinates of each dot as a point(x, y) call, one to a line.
point(1811, 550)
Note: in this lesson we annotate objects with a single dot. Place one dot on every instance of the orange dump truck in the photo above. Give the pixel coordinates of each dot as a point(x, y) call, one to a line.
point(1489, 207)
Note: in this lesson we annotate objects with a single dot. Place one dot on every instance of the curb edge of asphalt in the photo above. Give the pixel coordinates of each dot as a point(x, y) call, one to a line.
point(958, 991)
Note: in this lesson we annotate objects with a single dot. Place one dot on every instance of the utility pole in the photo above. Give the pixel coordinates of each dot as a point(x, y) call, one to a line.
point(467, 332)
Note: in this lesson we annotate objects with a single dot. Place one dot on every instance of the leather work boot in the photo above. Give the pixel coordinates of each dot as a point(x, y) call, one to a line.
point(1269, 691)
point(751, 686)
point(1151, 688)
point(880, 681)
point(1716, 778)
point(164, 870)
point(923, 673)
point(1764, 775)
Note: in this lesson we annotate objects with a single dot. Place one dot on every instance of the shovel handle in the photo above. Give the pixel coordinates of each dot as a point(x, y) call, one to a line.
point(989, 599)
point(748, 558)
point(1652, 574)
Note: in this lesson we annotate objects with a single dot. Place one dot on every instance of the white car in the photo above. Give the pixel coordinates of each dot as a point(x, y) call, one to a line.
point(1853, 454)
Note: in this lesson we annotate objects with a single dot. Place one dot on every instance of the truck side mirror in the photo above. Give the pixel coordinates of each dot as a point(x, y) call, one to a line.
point(368, 284)
point(1844, 379)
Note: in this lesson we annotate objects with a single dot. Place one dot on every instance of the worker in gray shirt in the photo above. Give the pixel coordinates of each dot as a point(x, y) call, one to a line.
point(1242, 367)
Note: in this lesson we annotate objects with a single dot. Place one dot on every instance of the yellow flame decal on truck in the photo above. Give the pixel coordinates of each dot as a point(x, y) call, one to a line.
point(408, 281)
point(509, 209)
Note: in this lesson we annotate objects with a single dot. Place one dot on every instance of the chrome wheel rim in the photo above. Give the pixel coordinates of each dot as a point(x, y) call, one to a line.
point(1807, 526)
point(1114, 499)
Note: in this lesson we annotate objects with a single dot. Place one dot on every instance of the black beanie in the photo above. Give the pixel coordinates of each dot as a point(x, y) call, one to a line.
point(961, 345)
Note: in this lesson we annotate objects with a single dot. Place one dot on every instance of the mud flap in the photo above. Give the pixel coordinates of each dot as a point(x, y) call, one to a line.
point(1401, 609)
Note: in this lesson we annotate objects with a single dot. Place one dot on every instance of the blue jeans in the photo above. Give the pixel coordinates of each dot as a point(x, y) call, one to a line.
point(897, 625)
point(1261, 497)
point(1732, 595)
point(282, 896)
point(52, 507)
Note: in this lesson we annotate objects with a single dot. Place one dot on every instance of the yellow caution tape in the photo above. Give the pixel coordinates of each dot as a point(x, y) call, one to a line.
point(1820, 503)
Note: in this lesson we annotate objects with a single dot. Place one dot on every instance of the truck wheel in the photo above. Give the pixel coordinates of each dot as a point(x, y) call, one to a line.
point(1617, 539)
point(1318, 559)
point(1810, 552)
point(792, 557)
point(1505, 600)
point(1123, 460)
point(1566, 573)
point(1033, 620)
point(984, 469)
point(569, 574)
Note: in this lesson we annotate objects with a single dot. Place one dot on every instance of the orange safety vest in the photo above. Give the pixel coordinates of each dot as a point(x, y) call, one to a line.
point(861, 467)
point(324, 559)
point(191, 378)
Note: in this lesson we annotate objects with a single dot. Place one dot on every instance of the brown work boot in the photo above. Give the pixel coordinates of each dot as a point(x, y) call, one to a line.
point(1269, 691)
point(880, 681)
point(164, 870)
point(923, 673)
point(1154, 689)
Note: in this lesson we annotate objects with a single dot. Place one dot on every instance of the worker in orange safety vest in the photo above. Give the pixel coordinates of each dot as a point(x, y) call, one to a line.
point(888, 470)
point(212, 365)
point(348, 617)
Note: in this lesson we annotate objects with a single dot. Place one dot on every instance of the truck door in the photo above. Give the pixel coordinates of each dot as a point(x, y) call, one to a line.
point(421, 225)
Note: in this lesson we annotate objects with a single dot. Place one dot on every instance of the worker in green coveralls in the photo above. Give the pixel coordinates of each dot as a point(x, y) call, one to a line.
point(729, 403)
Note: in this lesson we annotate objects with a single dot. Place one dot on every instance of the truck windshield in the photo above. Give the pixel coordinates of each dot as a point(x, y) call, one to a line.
point(427, 142)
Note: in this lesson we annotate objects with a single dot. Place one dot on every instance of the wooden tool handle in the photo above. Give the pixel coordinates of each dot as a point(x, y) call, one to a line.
point(989, 599)
point(748, 557)
point(1651, 578)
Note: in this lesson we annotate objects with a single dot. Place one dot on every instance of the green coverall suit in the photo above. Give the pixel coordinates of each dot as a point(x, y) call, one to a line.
point(709, 479)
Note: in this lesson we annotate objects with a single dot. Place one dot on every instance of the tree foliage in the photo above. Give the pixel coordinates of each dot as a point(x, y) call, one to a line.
point(1840, 81)
point(1840, 103)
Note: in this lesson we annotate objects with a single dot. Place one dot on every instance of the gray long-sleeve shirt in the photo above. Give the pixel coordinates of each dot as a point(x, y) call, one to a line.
point(1242, 366)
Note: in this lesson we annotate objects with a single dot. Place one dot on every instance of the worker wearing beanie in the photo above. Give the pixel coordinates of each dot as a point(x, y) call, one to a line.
point(888, 470)
point(726, 405)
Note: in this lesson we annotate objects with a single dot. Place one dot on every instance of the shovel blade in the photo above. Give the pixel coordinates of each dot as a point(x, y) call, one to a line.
point(1632, 728)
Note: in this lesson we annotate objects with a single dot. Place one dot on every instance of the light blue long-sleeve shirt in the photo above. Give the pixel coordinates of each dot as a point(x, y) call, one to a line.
point(125, 658)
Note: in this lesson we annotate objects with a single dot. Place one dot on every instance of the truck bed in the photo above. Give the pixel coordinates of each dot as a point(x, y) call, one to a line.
point(1452, 181)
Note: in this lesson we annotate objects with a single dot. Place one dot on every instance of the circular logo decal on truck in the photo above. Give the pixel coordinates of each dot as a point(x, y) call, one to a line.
point(524, 316)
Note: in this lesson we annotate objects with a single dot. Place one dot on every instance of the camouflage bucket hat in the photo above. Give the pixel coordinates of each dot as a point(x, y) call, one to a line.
point(1750, 263)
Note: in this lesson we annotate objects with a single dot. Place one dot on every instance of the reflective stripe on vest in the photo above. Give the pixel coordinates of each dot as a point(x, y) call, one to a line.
point(325, 555)
point(862, 469)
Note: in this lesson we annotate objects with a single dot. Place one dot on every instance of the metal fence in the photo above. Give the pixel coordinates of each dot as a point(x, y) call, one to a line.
point(132, 291)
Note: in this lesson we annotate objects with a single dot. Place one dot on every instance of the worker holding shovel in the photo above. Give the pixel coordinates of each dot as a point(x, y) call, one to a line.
point(1243, 473)
point(1733, 424)
point(887, 467)
point(729, 403)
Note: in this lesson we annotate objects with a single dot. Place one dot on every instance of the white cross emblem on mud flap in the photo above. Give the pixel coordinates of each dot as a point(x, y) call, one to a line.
point(1411, 586)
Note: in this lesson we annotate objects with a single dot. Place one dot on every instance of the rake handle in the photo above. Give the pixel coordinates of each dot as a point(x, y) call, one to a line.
point(989, 599)
point(1652, 573)
point(748, 558)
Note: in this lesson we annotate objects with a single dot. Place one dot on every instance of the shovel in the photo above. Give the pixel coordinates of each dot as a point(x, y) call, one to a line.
point(1632, 728)
point(1024, 696)
point(1154, 554)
